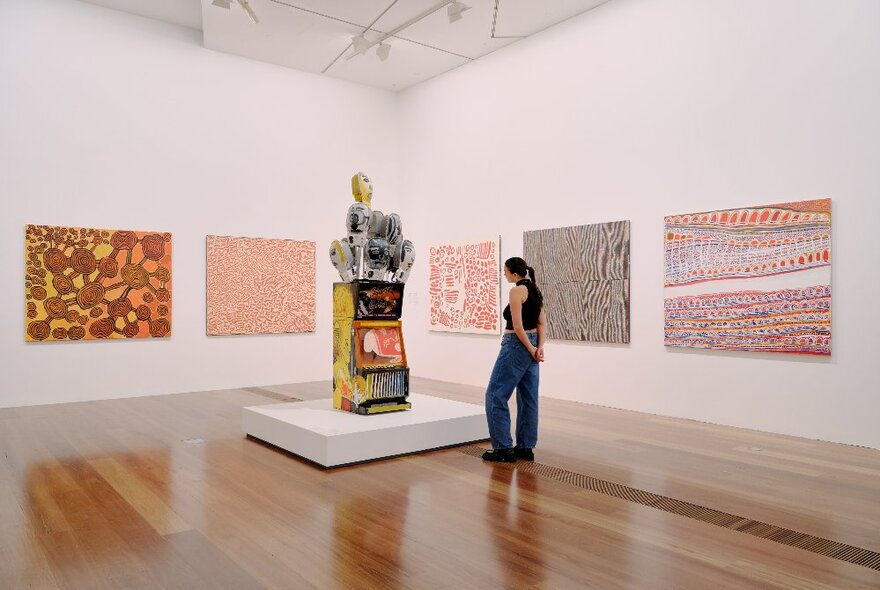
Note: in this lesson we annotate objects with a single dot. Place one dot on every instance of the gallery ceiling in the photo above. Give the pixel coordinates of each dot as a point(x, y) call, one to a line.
point(419, 38)
point(187, 13)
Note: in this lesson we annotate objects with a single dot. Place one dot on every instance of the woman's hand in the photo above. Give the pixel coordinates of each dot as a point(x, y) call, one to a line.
point(538, 354)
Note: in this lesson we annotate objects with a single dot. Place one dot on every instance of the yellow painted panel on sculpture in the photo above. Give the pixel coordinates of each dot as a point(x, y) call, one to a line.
point(389, 408)
point(342, 387)
point(360, 389)
point(343, 301)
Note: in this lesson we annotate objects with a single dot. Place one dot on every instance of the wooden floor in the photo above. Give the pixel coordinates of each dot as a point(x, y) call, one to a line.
point(165, 492)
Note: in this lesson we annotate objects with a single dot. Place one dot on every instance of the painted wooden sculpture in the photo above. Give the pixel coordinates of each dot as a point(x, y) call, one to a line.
point(370, 373)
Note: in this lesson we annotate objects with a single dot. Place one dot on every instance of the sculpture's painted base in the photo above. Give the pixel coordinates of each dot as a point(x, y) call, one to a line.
point(383, 408)
point(315, 431)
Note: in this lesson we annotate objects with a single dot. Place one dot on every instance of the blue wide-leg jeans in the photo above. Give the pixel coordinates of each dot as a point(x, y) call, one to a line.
point(516, 369)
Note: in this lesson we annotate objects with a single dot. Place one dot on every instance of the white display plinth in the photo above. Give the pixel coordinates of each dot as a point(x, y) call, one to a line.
point(317, 432)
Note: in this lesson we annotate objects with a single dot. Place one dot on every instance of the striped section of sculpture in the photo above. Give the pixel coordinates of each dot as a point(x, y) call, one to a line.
point(756, 278)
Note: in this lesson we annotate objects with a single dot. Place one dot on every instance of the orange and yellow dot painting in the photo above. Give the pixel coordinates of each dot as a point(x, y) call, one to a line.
point(89, 284)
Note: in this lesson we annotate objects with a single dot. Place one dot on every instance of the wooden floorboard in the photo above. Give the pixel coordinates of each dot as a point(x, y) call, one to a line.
point(166, 492)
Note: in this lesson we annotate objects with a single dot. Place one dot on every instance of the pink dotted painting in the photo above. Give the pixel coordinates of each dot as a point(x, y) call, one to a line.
point(463, 286)
point(260, 286)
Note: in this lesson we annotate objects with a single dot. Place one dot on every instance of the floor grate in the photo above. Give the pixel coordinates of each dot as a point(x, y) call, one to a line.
point(763, 530)
point(271, 394)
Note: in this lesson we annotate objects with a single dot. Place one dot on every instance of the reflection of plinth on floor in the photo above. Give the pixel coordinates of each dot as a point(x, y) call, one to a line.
point(315, 431)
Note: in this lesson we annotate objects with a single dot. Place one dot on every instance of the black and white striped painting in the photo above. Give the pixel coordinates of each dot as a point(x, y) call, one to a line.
point(583, 271)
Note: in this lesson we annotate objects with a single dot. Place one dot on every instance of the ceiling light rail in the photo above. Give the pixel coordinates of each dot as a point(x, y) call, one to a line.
point(495, 23)
point(454, 10)
point(359, 42)
point(365, 46)
point(316, 13)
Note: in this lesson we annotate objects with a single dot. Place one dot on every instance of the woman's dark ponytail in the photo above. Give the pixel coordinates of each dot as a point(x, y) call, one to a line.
point(535, 284)
point(519, 266)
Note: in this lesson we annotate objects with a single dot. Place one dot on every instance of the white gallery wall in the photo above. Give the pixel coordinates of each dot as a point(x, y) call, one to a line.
point(644, 108)
point(116, 121)
point(635, 110)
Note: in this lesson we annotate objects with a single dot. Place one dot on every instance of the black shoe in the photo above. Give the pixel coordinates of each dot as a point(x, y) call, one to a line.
point(524, 454)
point(500, 456)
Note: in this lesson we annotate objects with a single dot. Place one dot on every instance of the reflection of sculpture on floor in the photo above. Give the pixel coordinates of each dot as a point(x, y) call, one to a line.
point(370, 373)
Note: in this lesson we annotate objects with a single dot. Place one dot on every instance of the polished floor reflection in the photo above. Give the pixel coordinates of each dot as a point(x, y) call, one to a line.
point(165, 492)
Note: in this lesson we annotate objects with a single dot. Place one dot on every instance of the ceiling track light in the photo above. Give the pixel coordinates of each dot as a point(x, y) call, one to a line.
point(360, 44)
point(455, 9)
point(227, 4)
point(250, 11)
point(383, 51)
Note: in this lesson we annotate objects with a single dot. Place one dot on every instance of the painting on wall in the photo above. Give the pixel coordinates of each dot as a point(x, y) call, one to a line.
point(89, 284)
point(583, 272)
point(260, 286)
point(751, 279)
point(464, 286)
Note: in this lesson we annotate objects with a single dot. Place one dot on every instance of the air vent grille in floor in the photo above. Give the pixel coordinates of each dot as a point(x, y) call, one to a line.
point(819, 545)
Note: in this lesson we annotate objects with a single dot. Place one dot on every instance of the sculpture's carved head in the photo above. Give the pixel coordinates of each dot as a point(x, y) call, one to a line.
point(404, 258)
point(378, 253)
point(343, 259)
point(358, 219)
point(362, 188)
point(392, 228)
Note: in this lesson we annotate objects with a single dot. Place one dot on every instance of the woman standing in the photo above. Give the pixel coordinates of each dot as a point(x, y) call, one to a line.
point(522, 348)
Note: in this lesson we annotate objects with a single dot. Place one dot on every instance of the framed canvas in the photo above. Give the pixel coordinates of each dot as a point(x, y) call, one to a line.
point(260, 286)
point(583, 272)
point(464, 286)
point(750, 279)
point(94, 284)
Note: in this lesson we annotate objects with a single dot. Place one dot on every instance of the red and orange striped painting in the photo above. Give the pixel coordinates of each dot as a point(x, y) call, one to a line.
point(756, 278)
point(84, 283)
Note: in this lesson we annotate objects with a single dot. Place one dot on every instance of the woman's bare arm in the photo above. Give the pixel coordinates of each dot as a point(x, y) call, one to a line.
point(542, 328)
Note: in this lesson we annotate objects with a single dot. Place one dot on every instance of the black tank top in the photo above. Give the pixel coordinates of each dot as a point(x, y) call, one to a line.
point(531, 308)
